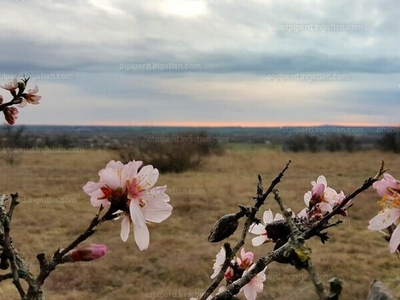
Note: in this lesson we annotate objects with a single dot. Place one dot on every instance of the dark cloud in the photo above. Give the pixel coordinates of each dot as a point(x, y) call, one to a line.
point(95, 41)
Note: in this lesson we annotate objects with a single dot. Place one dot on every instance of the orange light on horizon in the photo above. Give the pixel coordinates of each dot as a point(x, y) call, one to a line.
point(241, 124)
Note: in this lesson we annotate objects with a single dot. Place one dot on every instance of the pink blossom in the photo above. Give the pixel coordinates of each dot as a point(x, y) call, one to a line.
point(91, 252)
point(260, 228)
point(131, 192)
point(385, 219)
point(109, 186)
point(388, 185)
point(11, 86)
point(322, 197)
point(10, 114)
point(388, 188)
point(303, 214)
point(30, 97)
point(219, 261)
point(255, 286)
point(246, 259)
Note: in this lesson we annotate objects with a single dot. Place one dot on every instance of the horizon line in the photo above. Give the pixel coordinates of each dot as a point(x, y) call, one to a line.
point(224, 124)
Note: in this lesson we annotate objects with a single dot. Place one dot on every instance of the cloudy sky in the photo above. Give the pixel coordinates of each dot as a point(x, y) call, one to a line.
point(228, 63)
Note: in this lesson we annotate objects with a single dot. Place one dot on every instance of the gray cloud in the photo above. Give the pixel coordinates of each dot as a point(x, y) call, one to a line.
point(226, 40)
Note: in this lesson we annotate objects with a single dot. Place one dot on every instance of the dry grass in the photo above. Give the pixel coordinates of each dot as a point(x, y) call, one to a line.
point(179, 261)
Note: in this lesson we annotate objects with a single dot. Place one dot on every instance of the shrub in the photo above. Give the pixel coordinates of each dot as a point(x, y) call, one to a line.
point(390, 142)
point(304, 142)
point(341, 143)
point(172, 152)
point(12, 139)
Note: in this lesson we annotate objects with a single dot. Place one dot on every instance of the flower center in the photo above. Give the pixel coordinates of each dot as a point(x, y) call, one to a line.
point(135, 191)
point(390, 201)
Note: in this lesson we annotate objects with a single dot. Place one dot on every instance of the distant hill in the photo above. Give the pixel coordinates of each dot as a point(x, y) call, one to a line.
point(231, 131)
point(114, 137)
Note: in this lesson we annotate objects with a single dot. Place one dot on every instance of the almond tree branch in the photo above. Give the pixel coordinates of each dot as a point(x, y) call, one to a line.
point(337, 210)
point(296, 239)
point(250, 214)
point(47, 266)
point(11, 258)
point(262, 196)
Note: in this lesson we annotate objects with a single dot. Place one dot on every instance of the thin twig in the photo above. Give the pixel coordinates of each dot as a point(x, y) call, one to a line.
point(14, 203)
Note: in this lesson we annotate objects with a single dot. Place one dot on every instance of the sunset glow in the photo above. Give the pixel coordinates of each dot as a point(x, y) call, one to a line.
point(241, 124)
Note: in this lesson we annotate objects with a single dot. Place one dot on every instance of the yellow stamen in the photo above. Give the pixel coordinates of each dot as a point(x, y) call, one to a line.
point(390, 201)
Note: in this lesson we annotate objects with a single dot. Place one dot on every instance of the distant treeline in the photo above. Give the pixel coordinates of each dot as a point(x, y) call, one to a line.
point(287, 140)
point(182, 151)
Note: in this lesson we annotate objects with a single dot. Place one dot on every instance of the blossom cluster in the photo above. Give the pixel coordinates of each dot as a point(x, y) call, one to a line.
point(389, 217)
point(321, 200)
point(238, 268)
point(17, 90)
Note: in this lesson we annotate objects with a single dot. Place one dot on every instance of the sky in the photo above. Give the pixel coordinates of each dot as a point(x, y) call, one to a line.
point(204, 63)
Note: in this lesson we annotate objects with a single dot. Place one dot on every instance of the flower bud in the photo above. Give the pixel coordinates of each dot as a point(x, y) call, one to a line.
point(10, 114)
point(224, 228)
point(21, 85)
point(91, 252)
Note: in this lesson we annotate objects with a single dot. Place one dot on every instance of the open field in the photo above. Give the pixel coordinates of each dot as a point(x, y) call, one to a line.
point(178, 263)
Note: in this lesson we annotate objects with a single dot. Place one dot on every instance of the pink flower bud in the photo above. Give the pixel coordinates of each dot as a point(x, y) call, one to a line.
point(246, 259)
point(11, 114)
point(91, 252)
point(229, 273)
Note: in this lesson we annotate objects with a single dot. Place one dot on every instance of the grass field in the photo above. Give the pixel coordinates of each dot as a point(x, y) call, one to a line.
point(178, 263)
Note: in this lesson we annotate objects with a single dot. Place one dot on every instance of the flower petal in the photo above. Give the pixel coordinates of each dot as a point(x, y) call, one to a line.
point(157, 211)
point(91, 187)
point(268, 217)
point(257, 229)
point(307, 198)
point(115, 165)
point(23, 103)
point(322, 180)
point(382, 220)
point(303, 214)
point(249, 292)
point(155, 194)
point(160, 190)
point(96, 202)
point(142, 236)
point(137, 215)
point(318, 189)
point(34, 90)
point(279, 217)
point(394, 240)
point(147, 177)
point(259, 240)
point(125, 228)
point(110, 177)
point(324, 207)
point(129, 171)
